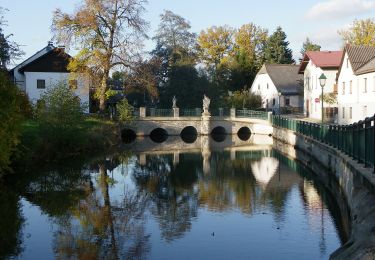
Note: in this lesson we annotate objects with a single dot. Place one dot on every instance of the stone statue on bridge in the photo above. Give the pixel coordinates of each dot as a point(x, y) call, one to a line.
point(174, 101)
point(206, 104)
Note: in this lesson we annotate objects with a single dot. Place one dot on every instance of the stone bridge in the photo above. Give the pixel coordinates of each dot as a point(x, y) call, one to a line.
point(245, 121)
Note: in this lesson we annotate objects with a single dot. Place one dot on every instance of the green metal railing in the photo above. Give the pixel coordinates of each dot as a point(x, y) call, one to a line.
point(356, 140)
point(252, 114)
point(159, 112)
point(191, 112)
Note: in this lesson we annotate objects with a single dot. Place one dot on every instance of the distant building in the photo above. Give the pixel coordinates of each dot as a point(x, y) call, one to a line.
point(44, 70)
point(315, 63)
point(273, 79)
point(356, 82)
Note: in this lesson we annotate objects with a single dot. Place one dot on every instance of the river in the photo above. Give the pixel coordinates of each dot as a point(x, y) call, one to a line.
point(200, 199)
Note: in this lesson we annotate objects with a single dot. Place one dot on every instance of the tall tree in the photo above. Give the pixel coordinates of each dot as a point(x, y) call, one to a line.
point(277, 50)
point(215, 46)
point(308, 45)
point(107, 33)
point(361, 32)
point(174, 36)
point(250, 42)
point(9, 50)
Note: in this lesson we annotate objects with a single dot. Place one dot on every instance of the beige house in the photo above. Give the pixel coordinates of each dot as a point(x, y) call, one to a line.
point(315, 63)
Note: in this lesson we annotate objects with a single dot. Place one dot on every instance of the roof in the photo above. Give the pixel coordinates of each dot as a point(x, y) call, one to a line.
point(322, 59)
point(55, 60)
point(361, 58)
point(285, 77)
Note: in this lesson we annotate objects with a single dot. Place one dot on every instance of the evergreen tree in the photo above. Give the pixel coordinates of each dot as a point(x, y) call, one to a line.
point(277, 50)
point(308, 45)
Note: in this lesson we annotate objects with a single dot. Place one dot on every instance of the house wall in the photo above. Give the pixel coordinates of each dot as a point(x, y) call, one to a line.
point(51, 79)
point(268, 93)
point(313, 91)
point(19, 78)
point(359, 103)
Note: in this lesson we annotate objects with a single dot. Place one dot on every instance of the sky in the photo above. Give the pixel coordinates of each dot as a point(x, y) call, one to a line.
point(30, 20)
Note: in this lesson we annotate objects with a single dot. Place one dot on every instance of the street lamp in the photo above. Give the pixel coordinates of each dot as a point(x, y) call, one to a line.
point(279, 102)
point(322, 81)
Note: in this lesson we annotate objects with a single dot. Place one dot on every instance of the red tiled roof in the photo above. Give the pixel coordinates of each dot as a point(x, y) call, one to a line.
point(322, 59)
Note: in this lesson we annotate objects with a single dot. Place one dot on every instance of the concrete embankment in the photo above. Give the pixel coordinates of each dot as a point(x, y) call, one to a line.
point(356, 182)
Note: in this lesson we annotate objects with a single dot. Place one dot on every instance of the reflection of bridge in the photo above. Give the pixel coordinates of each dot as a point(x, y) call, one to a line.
point(169, 122)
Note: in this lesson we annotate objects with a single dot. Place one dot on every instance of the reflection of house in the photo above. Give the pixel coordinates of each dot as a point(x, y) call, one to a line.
point(273, 79)
point(356, 84)
point(264, 169)
point(44, 70)
point(315, 63)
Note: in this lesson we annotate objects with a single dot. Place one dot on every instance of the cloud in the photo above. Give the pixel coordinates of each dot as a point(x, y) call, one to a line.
point(332, 9)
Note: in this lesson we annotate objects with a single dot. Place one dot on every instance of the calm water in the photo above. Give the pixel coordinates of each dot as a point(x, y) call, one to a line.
point(228, 200)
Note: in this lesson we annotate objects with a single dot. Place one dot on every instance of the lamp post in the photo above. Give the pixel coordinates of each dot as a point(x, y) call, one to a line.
point(279, 94)
point(322, 81)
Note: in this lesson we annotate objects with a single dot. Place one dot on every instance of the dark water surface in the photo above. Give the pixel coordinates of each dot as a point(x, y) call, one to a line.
point(205, 201)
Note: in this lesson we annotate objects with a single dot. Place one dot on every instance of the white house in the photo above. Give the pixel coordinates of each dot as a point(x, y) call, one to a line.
point(44, 70)
point(283, 79)
point(356, 82)
point(315, 63)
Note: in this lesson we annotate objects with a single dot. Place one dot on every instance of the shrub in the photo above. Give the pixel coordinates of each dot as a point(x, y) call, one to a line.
point(10, 120)
point(125, 111)
point(61, 116)
point(244, 99)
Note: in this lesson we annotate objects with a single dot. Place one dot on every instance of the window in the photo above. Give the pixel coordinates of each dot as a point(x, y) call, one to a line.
point(343, 112)
point(364, 111)
point(258, 86)
point(343, 88)
point(73, 84)
point(287, 101)
point(267, 85)
point(351, 87)
point(273, 102)
point(373, 84)
point(267, 103)
point(350, 112)
point(41, 83)
point(335, 88)
point(307, 83)
point(365, 85)
point(347, 62)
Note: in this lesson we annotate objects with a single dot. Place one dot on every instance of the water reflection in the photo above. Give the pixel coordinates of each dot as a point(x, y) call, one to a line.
point(164, 199)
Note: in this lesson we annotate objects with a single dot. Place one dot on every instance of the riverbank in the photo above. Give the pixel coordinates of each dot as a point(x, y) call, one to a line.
point(92, 136)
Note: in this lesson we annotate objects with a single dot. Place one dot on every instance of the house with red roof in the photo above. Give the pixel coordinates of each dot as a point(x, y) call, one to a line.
point(356, 84)
point(313, 64)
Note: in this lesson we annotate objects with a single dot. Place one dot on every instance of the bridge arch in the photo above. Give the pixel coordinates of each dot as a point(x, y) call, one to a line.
point(219, 134)
point(189, 134)
point(159, 135)
point(244, 133)
point(128, 135)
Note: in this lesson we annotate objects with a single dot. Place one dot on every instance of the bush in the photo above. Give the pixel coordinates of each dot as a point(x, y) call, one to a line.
point(61, 117)
point(125, 111)
point(11, 116)
point(244, 99)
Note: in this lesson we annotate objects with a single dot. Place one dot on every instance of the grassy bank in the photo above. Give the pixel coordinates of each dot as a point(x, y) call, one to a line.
point(92, 136)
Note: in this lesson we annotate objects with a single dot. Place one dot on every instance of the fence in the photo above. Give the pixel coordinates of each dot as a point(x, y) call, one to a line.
point(356, 140)
point(252, 114)
point(159, 112)
point(195, 112)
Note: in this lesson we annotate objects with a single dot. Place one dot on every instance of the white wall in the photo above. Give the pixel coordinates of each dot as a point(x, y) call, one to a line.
point(361, 100)
point(268, 93)
point(19, 77)
point(313, 91)
point(51, 79)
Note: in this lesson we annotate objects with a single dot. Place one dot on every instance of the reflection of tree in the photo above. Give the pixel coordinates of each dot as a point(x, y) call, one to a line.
point(174, 200)
point(230, 185)
point(11, 223)
point(102, 228)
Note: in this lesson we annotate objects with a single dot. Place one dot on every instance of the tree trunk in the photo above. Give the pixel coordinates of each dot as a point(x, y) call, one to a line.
point(103, 90)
